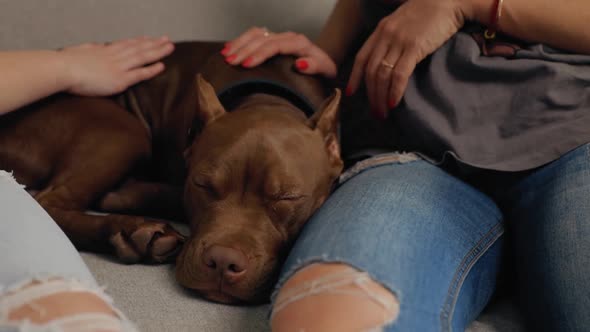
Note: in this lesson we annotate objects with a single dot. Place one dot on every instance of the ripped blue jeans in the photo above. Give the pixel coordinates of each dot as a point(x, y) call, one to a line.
point(434, 238)
point(36, 260)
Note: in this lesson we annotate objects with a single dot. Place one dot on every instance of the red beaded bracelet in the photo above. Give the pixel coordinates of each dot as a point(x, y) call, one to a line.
point(490, 33)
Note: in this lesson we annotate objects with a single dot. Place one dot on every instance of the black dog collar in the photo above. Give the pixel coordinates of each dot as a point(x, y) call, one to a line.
point(233, 93)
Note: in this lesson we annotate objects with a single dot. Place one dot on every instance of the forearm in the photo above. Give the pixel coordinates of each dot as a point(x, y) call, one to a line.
point(342, 28)
point(26, 76)
point(561, 24)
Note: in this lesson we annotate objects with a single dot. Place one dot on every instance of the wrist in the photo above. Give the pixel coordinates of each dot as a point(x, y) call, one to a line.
point(65, 79)
point(477, 10)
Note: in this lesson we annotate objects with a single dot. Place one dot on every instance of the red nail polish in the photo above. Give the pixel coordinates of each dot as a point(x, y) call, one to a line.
point(392, 104)
point(247, 62)
point(301, 64)
point(225, 50)
point(348, 91)
point(231, 58)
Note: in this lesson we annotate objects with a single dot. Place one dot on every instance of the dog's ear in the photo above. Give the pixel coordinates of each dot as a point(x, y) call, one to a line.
point(326, 122)
point(210, 107)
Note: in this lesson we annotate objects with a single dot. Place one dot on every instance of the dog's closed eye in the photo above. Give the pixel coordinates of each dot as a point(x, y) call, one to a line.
point(283, 206)
point(289, 197)
point(206, 187)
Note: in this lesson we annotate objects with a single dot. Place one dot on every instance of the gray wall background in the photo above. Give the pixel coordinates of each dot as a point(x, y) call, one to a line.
point(57, 23)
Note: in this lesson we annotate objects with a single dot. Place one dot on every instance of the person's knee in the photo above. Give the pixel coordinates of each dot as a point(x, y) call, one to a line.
point(333, 297)
point(63, 305)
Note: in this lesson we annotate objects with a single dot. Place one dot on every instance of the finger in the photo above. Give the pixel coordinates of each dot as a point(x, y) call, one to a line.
point(382, 83)
point(124, 48)
point(244, 54)
point(317, 62)
point(377, 76)
point(320, 65)
point(262, 47)
point(147, 53)
point(121, 44)
point(360, 62)
point(233, 46)
point(400, 75)
point(143, 73)
point(129, 48)
point(292, 44)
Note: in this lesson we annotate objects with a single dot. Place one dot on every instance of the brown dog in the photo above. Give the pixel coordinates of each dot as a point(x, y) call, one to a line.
point(252, 170)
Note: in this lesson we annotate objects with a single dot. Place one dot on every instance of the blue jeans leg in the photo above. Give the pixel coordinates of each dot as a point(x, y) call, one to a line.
point(431, 239)
point(549, 216)
point(31, 243)
point(34, 248)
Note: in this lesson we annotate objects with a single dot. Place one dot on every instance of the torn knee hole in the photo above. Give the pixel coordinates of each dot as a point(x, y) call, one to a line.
point(336, 290)
point(65, 305)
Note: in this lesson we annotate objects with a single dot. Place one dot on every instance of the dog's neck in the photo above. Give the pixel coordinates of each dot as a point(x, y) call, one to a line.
point(262, 99)
point(249, 93)
point(237, 92)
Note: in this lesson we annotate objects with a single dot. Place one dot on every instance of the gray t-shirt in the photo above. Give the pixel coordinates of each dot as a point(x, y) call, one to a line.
point(505, 105)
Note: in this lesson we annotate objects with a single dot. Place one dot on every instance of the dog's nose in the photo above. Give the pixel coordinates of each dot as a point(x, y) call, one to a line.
point(230, 263)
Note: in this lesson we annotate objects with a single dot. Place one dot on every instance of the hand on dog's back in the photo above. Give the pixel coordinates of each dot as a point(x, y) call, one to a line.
point(257, 45)
point(107, 69)
point(87, 70)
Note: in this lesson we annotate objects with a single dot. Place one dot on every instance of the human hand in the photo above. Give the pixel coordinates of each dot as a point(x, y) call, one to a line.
point(107, 69)
point(400, 41)
point(257, 45)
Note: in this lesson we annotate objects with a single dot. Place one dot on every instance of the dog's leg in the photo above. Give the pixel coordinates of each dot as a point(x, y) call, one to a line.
point(145, 198)
point(84, 176)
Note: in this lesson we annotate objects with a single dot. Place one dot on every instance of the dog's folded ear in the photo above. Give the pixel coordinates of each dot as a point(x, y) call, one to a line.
point(210, 107)
point(326, 122)
point(326, 119)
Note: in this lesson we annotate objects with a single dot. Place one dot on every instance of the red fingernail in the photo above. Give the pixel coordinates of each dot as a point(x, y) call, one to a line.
point(247, 62)
point(348, 91)
point(392, 104)
point(301, 64)
point(231, 58)
point(225, 50)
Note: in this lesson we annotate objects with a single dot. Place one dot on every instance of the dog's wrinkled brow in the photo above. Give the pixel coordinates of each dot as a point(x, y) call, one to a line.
point(282, 186)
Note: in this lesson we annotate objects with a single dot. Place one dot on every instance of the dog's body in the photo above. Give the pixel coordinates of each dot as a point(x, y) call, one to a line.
point(250, 177)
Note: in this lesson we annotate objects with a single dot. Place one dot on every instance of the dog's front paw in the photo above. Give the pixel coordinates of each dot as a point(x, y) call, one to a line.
point(148, 241)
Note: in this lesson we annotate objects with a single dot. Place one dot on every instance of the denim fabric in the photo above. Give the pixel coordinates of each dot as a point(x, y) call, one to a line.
point(434, 237)
point(548, 214)
point(33, 247)
point(417, 230)
point(31, 243)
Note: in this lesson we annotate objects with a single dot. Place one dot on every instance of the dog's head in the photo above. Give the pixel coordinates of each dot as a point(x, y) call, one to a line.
point(255, 176)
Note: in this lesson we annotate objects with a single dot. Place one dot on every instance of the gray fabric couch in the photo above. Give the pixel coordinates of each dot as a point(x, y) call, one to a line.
point(149, 294)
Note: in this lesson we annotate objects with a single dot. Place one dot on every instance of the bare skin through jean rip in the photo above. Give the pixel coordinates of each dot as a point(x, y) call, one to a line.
point(60, 305)
point(333, 297)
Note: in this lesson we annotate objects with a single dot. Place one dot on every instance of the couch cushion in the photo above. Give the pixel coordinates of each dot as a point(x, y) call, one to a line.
point(150, 297)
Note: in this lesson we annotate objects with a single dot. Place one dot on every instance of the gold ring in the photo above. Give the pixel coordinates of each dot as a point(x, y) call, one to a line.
point(487, 34)
point(387, 64)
